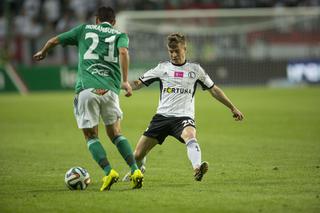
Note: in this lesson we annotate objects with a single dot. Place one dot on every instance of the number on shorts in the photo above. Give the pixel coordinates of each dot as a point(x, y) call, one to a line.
point(188, 122)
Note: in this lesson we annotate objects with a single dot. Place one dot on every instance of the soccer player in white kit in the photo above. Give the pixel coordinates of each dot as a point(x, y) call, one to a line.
point(175, 114)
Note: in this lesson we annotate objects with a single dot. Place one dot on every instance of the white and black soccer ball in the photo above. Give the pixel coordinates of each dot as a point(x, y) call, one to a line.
point(77, 178)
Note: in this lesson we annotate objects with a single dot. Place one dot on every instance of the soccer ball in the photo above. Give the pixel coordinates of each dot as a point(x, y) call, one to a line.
point(77, 178)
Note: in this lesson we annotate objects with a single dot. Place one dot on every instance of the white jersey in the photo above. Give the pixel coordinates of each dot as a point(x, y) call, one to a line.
point(178, 85)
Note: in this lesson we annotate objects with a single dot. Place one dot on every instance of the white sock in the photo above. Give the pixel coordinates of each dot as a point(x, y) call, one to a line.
point(194, 153)
point(142, 164)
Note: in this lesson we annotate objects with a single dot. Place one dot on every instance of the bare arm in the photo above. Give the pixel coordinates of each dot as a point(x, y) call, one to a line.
point(124, 65)
point(218, 94)
point(137, 84)
point(52, 42)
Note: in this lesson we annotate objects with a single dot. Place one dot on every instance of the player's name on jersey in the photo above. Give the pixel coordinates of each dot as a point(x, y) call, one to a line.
point(176, 90)
point(103, 29)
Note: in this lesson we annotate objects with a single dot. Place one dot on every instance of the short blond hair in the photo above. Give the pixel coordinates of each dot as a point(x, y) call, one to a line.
point(176, 38)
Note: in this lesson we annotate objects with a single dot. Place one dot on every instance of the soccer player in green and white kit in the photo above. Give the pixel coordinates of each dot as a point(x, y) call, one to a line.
point(103, 51)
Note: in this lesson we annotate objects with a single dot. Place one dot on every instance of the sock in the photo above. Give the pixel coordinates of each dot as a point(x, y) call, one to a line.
point(142, 164)
point(125, 150)
point(194, 153)
point(99, 154)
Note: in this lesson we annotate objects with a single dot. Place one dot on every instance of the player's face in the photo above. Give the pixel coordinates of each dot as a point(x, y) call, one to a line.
point(177, 53)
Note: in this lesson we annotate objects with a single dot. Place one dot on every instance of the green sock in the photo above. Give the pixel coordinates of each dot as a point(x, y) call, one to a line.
point(125, 150)
point(99, 154)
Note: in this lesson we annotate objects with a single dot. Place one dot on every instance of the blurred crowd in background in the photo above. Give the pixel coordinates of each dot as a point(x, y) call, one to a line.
point(232, 47)
point(36, 20)
point(33, 17)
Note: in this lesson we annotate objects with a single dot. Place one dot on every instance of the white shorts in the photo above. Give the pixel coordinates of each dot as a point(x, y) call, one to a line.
point(89, 106)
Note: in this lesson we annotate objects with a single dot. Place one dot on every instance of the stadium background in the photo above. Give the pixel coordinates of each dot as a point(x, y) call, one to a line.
point(244, 42)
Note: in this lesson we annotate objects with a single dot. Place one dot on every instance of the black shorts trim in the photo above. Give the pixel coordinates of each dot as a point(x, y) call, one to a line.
point(161, 127)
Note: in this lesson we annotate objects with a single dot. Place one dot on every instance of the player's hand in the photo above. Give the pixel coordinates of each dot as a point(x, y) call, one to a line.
point(126, 86)
point(237, 114)
point(39, 55)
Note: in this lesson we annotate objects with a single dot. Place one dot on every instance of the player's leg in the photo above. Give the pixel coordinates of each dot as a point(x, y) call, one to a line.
point(100, 156)
point(156, 133)
point(194, 152)
point(193, 149)
point(86, 109)
point(143, 147)
point(96, 149)
point(111, 115)
point(142, 164)
point(124, 148)
point(122, 144)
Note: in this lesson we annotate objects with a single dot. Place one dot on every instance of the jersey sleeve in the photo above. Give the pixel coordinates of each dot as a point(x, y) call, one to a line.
point(204, 79)
point(150, 76)
point(123, 41)
point(71, 37)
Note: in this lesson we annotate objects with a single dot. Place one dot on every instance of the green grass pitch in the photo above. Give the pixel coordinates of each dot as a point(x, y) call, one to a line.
point(270, 162)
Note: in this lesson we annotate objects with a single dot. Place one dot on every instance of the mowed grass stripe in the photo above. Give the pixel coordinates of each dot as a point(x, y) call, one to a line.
point(267, 163)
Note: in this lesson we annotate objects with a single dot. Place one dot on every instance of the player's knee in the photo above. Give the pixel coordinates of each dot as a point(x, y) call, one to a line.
point(113, 132)
point(90, 134)
point(188, 136)
point(188, 133)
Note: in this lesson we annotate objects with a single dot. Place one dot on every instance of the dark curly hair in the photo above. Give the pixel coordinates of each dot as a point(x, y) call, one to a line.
point(106, 14)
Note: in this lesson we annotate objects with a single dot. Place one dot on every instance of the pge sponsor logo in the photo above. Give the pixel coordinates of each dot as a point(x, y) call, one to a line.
point(99, 69)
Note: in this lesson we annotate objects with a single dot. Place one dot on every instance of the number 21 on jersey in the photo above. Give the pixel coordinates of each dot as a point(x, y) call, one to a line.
point(110, 41)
